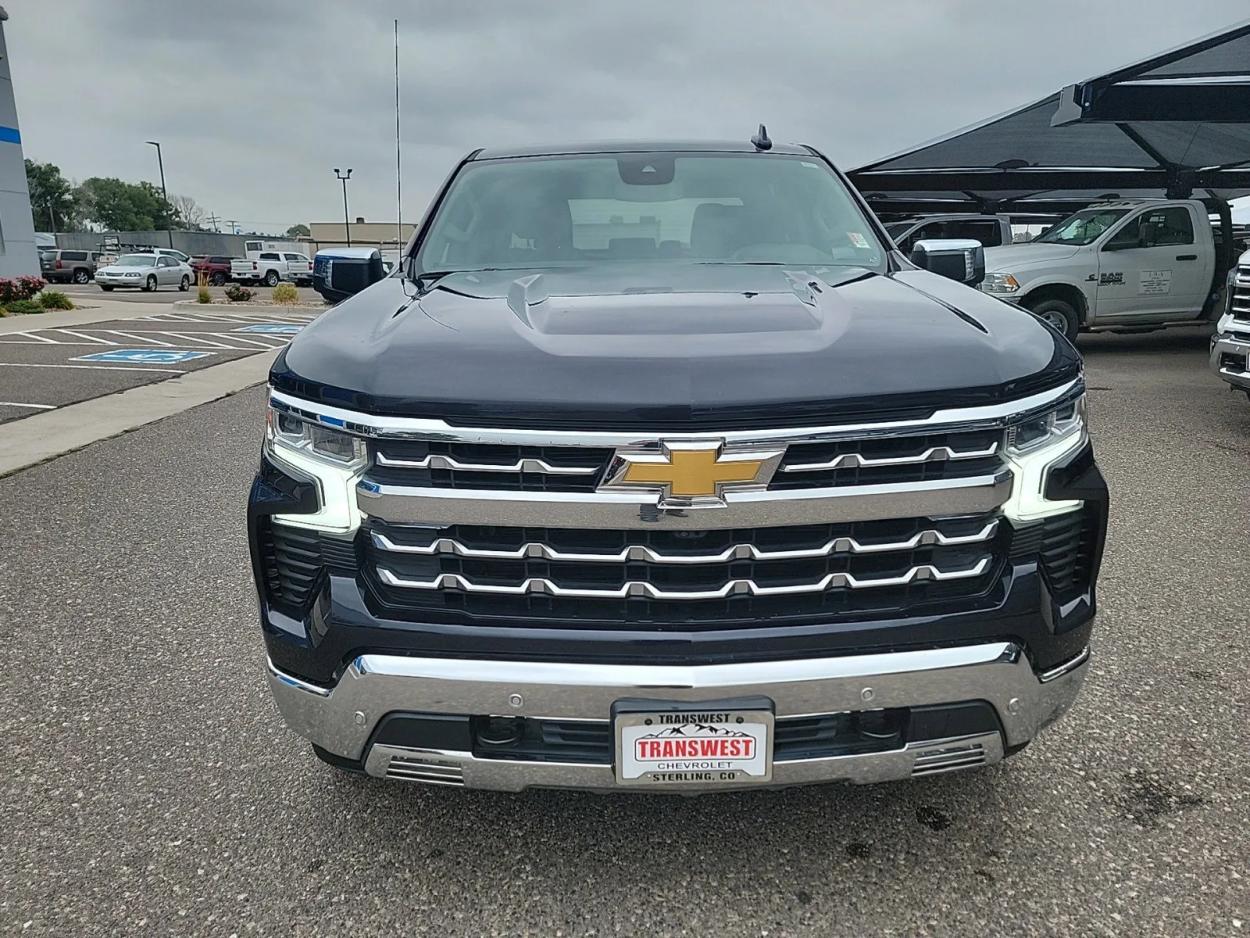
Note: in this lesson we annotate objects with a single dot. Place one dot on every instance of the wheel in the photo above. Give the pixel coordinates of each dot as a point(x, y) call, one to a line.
point(1059, 314)
point(218, 279)
point(272, 278)
point(340, 763)
point(106, 289)
point(185, 283)
point(81, 276)
point(150, 284)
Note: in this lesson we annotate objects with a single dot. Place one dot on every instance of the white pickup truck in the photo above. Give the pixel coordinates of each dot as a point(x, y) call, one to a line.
point(1230, 346)
point(271, 267)
point(1132, 265)
point(990, 230)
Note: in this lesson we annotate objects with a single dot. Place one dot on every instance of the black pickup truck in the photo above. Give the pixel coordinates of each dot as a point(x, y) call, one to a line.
point(655, 466)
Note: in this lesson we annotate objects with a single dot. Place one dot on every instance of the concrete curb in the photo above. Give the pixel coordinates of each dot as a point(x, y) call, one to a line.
point(184, 306)
point(38, 438)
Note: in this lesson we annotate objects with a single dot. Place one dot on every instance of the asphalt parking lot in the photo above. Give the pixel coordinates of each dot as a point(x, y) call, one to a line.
point(45, 368)
point(150, 787)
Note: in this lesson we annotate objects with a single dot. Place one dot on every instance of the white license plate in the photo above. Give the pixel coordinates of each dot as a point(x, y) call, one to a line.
point(694, 747)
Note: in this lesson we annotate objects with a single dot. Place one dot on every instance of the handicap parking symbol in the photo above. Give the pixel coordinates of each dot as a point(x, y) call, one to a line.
point(273, 328)
point(143, 356)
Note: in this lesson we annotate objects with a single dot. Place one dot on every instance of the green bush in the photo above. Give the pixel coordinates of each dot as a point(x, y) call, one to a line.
point(285, 294)
point(55, 299)
point(23, 307)
point(238, 294)
point(203, 296)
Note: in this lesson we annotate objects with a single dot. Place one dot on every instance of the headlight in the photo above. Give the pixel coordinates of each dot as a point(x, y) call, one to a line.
point(296, 433)
point(1036, 443)
point(333, 457)
point(1000, 283)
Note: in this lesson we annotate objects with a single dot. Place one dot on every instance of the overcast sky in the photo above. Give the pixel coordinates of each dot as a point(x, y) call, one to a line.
point(255, 103)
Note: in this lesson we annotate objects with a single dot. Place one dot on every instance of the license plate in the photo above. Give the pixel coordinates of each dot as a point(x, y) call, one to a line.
point(683, 744)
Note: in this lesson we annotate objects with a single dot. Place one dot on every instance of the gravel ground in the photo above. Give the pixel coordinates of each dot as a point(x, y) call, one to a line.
point(151, 788)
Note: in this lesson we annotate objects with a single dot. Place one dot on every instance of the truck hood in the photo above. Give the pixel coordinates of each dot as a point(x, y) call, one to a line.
point(1011, 257)
point(684, 346)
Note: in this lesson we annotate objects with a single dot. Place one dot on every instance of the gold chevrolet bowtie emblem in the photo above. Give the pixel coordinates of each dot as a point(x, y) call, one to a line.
point(693, 474)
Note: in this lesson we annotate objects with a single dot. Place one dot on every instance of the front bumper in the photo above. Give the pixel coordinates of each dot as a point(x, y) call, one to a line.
point(1230, 359)
point(344, 719)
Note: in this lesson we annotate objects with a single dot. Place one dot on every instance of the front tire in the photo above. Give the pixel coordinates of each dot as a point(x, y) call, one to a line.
point(1059, 314)
point(81, 276)
point(185, 284)
point(272, 278)
point(149, 285)
point(218, 279)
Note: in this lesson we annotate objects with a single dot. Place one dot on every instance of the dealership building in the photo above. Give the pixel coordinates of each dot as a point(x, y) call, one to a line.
point(17, 228)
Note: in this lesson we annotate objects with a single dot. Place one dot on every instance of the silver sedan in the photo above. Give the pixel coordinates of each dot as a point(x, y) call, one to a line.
point(145, 272)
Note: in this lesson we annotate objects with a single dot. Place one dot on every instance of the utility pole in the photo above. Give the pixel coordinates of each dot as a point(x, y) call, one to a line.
point(347, 223)
point(169, 214)
point(213, 219)
point(233, 224)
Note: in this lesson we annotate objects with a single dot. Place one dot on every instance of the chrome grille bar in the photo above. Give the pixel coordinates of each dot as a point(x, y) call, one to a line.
point(440, 461)
point(839, 545)
point(642, 589)
point(855, 460)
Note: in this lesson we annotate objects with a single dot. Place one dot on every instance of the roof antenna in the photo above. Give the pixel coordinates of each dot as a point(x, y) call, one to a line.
point(761, 141)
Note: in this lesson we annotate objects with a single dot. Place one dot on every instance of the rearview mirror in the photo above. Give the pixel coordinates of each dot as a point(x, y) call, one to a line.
point(960, 259)
point(341, 272)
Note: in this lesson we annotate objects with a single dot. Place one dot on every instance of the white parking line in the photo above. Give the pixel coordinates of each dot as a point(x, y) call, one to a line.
point(172, 371)
point(37, 338)
point(79, 335)
point(137, 338)
point(31, 406)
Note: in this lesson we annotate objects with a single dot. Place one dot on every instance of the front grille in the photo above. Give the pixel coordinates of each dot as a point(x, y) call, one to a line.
point(886, 460)
point(1240, 304)
point(482, 466)
point(681, 578)
point(891, 460)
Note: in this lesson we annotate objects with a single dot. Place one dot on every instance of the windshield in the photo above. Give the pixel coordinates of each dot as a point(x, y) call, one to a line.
point(656, 207)
point(1083, 227)
point(136, 260)
point(898, 228)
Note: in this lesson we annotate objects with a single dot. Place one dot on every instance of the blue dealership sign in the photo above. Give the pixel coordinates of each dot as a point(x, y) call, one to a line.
point(144, 356)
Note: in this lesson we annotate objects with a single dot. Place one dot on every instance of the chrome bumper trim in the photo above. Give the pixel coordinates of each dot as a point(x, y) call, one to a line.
point(856, 461)
point(341, 719)
point(930, 537)
point(619, 510)
point(969, 418)
point(438, 461)
point(464, 770)
point(1236, 344)
point(644, 589)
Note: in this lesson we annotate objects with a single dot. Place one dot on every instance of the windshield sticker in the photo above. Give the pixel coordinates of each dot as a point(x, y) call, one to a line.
point(858, 240)
point(1155, 282)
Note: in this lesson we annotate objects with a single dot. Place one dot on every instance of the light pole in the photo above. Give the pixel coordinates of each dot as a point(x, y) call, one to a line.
point(347, 225)
point(164, 195)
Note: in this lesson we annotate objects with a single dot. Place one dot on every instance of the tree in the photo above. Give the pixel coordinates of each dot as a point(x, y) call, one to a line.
point(189, 211)
point(298, 231)
point(125, 206)
point(53, 200)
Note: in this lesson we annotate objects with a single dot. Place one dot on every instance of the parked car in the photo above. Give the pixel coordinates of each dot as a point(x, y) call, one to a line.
point(1230, 346)
point(63, 266)
point(990, 230)
point(145, 272)
point(271, 267)
point(215, 267)
point(657, 466)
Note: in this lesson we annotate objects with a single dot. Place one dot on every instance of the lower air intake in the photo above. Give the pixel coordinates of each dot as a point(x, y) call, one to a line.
point(948, 759)
point(428, 771)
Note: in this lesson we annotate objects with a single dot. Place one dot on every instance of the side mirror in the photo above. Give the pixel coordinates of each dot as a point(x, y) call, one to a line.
point(961, 259)
point(341, 272)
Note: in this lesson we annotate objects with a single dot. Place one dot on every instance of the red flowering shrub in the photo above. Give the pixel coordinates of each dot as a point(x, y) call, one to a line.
point(19, 288)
